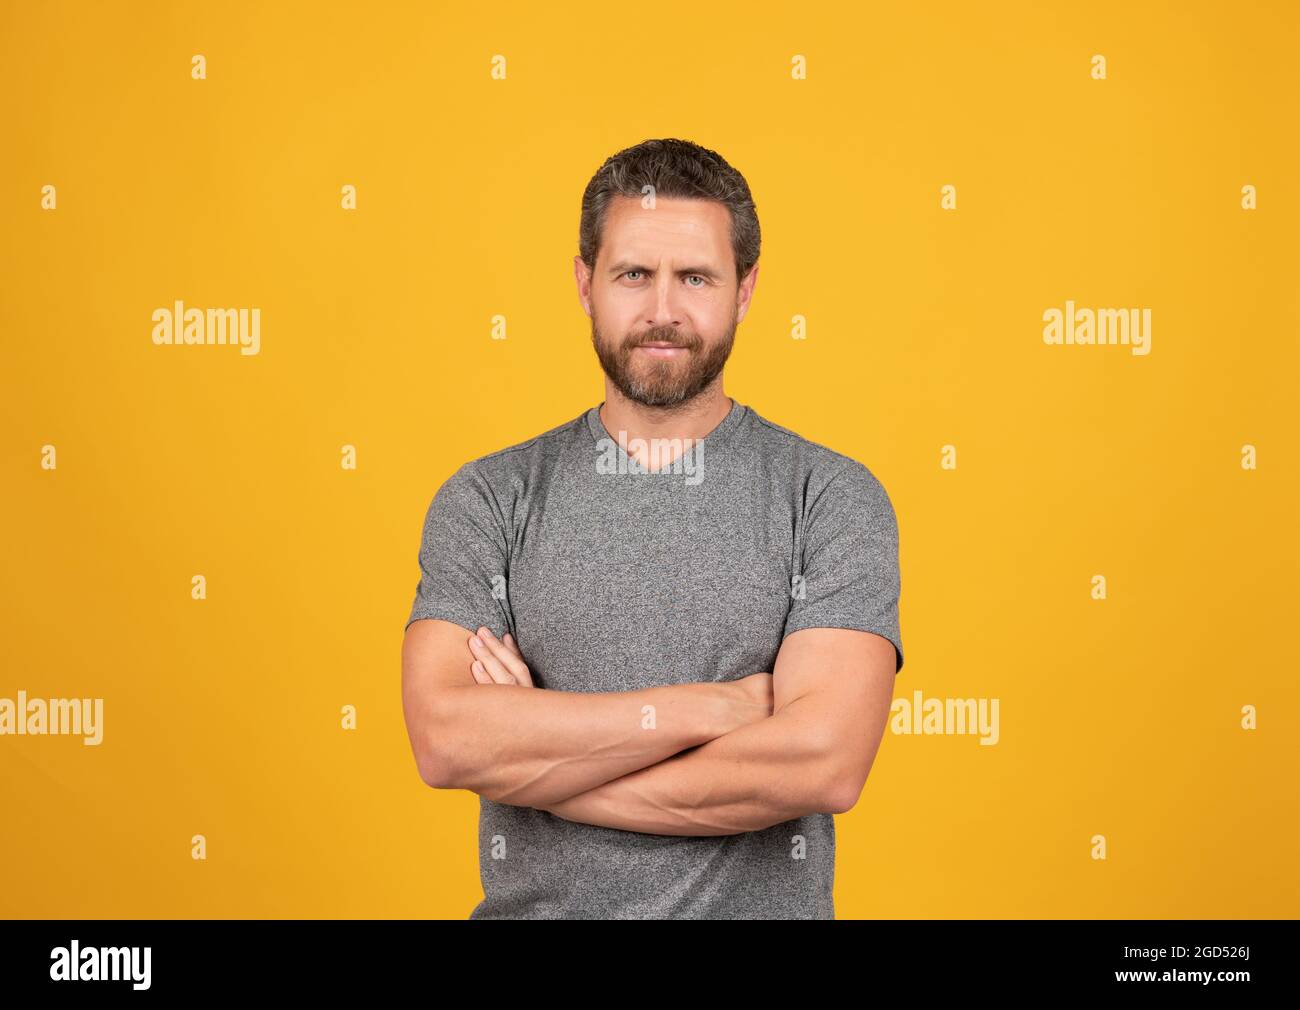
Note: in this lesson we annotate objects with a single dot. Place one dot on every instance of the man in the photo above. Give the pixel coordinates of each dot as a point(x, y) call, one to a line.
point(660, 640)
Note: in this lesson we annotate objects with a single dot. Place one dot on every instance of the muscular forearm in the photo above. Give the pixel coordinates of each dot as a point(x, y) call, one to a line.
point(531, 747)
point(751, 778)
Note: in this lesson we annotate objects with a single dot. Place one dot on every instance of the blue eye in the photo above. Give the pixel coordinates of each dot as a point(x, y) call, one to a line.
point(699, 277)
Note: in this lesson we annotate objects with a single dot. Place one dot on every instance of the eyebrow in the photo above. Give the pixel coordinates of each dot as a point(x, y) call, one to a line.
point(708, 272)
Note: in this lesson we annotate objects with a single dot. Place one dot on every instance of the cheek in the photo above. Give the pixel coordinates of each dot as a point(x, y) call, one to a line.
point(713, 315)
point(616, 315)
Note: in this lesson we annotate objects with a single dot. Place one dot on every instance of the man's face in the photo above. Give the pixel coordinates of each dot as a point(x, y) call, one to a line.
point(663, 298)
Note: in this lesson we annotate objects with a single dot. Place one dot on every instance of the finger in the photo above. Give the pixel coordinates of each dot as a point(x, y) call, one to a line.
point(494, 667)
point(479, 674)
point(525, 678)
point(514, 664)
point(523, 674)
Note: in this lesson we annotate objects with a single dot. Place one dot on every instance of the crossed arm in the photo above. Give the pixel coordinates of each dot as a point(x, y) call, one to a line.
point(831, 694)
point(723, 758)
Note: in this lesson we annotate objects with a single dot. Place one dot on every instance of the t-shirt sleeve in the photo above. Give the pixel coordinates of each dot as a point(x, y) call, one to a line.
point(850, 575)
point(464, 554)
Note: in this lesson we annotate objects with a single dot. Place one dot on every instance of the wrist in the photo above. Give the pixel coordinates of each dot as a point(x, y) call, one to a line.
point(722, 709)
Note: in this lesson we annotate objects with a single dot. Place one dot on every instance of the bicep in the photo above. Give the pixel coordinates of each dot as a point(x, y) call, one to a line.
point(841, 681)
point(435, 655)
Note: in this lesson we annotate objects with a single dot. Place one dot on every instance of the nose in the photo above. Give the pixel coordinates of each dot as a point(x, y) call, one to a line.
point(664, 308)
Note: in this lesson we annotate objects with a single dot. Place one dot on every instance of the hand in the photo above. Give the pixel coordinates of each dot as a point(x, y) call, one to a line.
point(497, 661)
point(754, 698)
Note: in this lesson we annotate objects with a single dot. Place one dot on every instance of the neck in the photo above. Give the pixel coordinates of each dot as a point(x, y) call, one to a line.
point(693, 419)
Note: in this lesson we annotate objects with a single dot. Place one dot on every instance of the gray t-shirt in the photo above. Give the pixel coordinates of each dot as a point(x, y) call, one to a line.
point(613, 578)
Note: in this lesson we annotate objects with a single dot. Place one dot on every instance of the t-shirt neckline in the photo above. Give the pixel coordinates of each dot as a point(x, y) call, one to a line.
point(712, 440)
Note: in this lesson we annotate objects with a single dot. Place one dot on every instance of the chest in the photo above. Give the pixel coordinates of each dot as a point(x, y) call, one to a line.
point(638, 583)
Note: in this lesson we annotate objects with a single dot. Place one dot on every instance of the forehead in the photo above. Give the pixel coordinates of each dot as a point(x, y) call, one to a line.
point(694, 228)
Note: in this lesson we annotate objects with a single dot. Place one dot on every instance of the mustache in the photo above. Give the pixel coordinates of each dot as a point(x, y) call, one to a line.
point(670, 339)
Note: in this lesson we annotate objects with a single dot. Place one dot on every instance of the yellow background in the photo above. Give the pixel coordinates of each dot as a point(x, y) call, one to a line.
point(222, 717)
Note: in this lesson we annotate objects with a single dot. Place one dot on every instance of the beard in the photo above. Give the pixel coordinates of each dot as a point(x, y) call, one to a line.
point(662, 382)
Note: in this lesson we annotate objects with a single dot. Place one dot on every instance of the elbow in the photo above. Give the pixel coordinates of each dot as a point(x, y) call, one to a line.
point(841, 796)
point(841, 781)
point(441, 754)
point(430, 744)
point(432, 768)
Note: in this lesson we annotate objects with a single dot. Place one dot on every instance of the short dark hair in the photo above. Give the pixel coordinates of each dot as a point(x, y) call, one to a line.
point(675, 168)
